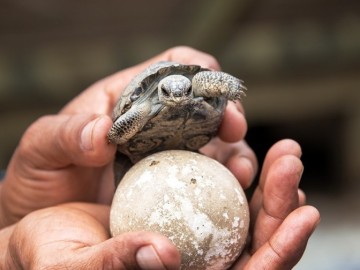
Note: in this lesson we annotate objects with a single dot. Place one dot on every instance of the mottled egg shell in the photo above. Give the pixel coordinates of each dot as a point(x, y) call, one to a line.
point(192, 199)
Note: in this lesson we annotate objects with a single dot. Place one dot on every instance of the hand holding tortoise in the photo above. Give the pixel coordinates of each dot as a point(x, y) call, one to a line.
point(71, 161)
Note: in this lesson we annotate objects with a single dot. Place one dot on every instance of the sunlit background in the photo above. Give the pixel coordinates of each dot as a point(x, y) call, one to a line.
point(299, 59)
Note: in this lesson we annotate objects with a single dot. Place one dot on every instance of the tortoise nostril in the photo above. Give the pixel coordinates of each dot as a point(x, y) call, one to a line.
point(177, 93)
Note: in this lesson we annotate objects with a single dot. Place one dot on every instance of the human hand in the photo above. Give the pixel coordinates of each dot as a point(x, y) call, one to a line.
point(66, 157)
point(78, 233)
point(76, 236)
point(280, 223)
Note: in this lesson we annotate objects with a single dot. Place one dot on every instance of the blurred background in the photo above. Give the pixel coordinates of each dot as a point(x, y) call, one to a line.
point(300, 61)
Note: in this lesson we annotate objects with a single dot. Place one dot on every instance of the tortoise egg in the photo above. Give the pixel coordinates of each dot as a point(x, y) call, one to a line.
point(191, 199)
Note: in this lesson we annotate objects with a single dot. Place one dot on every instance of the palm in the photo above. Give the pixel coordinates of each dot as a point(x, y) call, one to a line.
point(65, 158)
point(62, 165)
point(279, 229)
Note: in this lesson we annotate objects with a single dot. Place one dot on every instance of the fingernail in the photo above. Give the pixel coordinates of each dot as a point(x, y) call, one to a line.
point(87, 135)
point(147, 258)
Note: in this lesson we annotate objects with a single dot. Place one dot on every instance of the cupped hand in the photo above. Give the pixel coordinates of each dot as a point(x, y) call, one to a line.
point(76, 235)
point(66, 157)
point(280, 223)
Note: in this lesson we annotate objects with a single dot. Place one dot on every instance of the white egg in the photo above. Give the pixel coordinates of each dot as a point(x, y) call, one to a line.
point(192, 199)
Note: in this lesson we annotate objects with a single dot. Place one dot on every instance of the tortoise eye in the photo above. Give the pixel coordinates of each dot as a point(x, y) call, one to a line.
point(138, 91)
point(164, 91)
point(136, 94)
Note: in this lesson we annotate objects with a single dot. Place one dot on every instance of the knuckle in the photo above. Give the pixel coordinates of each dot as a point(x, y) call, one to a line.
point(188, 54)
point(32, 134)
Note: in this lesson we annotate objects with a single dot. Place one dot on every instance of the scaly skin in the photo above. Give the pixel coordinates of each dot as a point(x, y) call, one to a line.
point(128, 124)
point(191, 101)
point(216, 84)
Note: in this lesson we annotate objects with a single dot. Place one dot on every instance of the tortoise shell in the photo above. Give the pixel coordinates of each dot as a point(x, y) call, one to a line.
point(187, 127)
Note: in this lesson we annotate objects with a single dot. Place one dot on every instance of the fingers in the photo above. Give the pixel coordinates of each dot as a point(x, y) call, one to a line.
point(243, 164)
point(136, 250)
point(184, 55)
point(59, 159)
point(77, 235)
point(280, 197)
point(281, 188)
point(284, 147)
point(5, 235)
point(230, 149)
point(286, 246)
point(181, 54)
point(54, 142)
point(238, 157)
point(302, 197)
point(101, 97)
point(234, 126)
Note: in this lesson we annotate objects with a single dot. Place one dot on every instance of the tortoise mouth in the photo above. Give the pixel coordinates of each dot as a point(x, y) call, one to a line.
point(177, 101)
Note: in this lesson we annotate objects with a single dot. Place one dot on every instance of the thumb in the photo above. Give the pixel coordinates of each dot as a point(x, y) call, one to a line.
point(135, 250)
point(60, 140)
point(75, 236)
point(286, 246)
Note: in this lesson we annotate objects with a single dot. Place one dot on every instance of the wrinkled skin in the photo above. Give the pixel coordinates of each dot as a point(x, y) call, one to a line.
point(54, 201)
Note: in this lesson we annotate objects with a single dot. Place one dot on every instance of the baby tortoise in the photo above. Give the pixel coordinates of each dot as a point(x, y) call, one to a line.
point(170, 106)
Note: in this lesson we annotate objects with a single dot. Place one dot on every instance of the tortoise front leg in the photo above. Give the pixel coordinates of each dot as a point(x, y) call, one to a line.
point(216, 84)
point(131, 122)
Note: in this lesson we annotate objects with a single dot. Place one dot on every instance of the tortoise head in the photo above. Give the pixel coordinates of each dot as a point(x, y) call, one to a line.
point(175, 90)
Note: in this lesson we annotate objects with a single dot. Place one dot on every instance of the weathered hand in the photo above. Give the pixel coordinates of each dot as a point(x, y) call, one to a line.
point(66, 157)
point(280, 223)
point(75, 236)
point(230, 148)
point(78, 233)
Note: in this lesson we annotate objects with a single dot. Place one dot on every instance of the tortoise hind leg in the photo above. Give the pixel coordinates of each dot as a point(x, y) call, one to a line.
point(217, 84)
